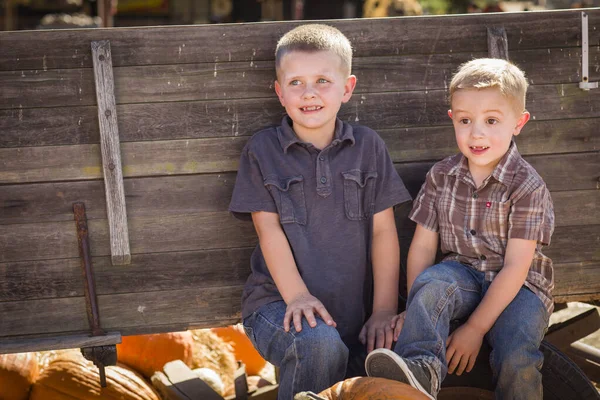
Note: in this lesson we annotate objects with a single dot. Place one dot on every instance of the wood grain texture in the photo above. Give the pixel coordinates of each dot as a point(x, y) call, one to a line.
point(232, 118)
point(236, 80)
point(52, 202)
point(122, 312)
point(154, 272)
point(111, 153)
point(58, 342)
point(195, 194)
point(255, 42)
point(194, 232)
point(497, 42)
point(147, 234)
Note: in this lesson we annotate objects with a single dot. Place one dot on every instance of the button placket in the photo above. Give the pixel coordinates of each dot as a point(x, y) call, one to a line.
point(323, 174)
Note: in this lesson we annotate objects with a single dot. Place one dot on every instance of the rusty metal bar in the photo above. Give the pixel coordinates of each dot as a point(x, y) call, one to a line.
point(91, 301)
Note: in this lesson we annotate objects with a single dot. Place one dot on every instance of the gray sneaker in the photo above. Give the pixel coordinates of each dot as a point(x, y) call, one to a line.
point(384, 363)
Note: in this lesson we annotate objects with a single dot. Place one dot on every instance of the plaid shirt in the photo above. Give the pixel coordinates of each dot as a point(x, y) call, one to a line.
point(475, 224)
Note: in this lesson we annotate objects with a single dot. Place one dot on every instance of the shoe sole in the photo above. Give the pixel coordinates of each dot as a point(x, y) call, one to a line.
point(389, 365)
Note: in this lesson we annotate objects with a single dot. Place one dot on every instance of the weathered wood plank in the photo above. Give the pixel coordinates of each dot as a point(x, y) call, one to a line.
point(136, 312)
point(199, 306)
point(57, 343)
point(194, 232)
point(177, 157)
point(52, 202)
point(179, 120)
point(227, 81)
point(537, 138)
point(45, 279)
point(147, 235)
point(39, 164)
point(32, 280)
point(497, 42)
point(193, 194)
point(253, 42)
point(112, 170)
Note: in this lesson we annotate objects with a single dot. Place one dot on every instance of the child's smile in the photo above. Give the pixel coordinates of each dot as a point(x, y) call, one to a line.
point(485, 122)
point(312, 87)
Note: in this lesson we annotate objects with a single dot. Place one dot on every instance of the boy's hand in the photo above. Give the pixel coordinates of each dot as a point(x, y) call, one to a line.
point(397, 324)
point(378, 331)
point(307, 305)
point(462, 348)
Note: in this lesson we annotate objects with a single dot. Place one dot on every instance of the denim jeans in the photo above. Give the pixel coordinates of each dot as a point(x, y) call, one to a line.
point(451, 291)
point(312, 359)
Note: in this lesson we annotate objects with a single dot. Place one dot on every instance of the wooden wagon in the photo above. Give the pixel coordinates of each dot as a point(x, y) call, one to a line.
point(148, 123)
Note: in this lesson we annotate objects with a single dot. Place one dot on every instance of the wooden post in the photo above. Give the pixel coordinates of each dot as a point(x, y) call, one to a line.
point(497, 42)
point(111, 153)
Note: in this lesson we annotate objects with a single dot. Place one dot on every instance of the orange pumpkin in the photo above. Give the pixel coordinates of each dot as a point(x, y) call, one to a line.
point(70, 376)
point(17, 374)
point(371, 388)
point(242, 348)
point(149, 353)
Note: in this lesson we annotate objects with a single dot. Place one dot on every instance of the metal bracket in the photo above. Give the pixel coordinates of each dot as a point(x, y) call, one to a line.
point(585, 83)
point(101, 355)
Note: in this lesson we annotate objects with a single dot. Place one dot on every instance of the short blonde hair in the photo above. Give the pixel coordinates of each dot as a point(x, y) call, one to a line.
point(492, 73)
point(312, 38)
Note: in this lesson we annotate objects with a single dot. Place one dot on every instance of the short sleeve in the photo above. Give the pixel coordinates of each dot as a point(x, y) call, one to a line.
point(390, 187)
point(249, 193)
point(532, 217)
point(424, 211)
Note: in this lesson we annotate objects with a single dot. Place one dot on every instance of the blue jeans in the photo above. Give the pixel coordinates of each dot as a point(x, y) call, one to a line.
point(451, 291)
point(312, 359)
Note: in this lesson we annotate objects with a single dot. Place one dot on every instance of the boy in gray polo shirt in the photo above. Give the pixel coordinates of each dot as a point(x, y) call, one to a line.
point(321, 194)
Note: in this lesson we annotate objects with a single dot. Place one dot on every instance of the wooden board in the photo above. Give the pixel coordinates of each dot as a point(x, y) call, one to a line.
point(153, 272)
point(124, 312)
point(195, 194)
point(254, 42)
point(198, 119)
point(205, 231)
point(134, 312)
point(192, 82)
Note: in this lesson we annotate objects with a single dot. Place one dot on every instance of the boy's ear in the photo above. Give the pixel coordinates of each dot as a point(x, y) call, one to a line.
point(279, 93)
point(349, 88)
point(450, 113)
point(521, 122)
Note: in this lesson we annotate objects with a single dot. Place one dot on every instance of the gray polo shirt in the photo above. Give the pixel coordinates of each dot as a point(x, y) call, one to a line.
point(326, 200)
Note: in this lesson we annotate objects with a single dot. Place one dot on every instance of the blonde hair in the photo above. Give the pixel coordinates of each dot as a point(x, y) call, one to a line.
point(312, 38)
point(492, 73)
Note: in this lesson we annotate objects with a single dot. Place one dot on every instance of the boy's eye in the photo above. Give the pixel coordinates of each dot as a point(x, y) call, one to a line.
point(295, 82)
point(322, 80)
point(464, 121)
point(492, 121)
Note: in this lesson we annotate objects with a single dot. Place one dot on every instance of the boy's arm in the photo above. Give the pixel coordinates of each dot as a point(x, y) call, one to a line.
point(421, 254)
point(464, 344)
point(385, 258)
point(282, 266)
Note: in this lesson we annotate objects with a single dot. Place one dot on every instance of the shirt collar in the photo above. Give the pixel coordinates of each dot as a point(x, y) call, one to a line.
point(503, 172)
point(287, 136)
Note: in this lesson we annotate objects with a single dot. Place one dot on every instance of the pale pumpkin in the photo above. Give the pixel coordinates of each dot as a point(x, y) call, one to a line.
point(17, 374)
point(70, 376)
point(371, 388)
point(243, 349)
point(149, 353)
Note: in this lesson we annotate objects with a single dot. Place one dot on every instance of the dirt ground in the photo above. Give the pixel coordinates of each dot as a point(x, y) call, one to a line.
point(572, 310)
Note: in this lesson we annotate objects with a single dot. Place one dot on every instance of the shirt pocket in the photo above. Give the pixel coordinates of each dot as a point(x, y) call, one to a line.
point(493, 223)
point(288, 194)
point(359, 193)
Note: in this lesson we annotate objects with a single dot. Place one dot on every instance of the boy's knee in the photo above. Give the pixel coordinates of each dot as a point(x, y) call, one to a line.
point(322, 344)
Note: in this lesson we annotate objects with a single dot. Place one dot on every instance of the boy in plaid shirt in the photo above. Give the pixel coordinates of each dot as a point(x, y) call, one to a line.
point(492, 213)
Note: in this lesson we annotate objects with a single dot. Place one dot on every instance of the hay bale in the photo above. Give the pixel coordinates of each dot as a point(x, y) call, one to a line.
point(210, 351)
